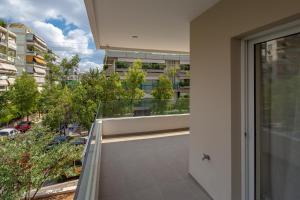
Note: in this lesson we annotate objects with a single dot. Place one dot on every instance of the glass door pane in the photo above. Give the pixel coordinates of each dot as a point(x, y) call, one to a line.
point(277, 135)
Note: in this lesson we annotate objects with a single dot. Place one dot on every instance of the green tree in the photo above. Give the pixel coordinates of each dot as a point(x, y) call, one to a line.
point(8, 111)
point(86, 97)
point(96, 91)
point(171, 72)
point(92, 82)
point(163, 89)
point(112, 94)
point(59, 111)
point(133, 81)
point(49, 97)
point(27, 162)
point(162, 94)
point(3, 23)
point(24, 94)
point(69, 66)
point(84, 108)
point(54, 71)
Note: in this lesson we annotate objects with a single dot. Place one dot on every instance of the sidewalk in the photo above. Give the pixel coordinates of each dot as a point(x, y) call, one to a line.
point(53, 190)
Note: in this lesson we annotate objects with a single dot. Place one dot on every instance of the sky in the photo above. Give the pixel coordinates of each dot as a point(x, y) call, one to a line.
point(63, 24)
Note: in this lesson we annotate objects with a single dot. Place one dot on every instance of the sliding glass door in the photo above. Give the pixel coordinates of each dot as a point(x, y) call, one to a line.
point(277, 118)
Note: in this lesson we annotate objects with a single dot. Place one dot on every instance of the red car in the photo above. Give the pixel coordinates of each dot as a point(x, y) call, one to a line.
point(23, 126)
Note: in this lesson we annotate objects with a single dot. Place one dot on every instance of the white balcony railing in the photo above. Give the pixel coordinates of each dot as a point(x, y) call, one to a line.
point(88, 184)
point(11, 59)
point(3, 42)
point(12, 44)
point(3, 56)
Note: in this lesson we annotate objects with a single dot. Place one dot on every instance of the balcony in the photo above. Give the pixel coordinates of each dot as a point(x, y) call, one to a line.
point(151, 166)
point(12, 44)
point(3, 57)
point(11, 59)
point(3, 42)
point(132, 156)
point(34, 43)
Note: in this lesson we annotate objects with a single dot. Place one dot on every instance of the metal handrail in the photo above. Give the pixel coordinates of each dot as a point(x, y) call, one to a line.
point(89, 181)
point(90, 177)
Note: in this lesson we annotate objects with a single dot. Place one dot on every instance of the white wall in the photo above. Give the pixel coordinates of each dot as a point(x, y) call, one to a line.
point(215, 87)
point(131, 125)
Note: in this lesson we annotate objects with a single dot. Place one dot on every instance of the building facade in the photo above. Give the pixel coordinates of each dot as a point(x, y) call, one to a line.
point(30, 52)
point(7, 58)
point(244, 101)
point(155, 65)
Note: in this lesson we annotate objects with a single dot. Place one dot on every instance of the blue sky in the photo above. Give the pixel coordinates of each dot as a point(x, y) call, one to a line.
point(63, 24)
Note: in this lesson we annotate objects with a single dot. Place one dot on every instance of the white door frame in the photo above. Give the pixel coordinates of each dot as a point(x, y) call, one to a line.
point(248, 101)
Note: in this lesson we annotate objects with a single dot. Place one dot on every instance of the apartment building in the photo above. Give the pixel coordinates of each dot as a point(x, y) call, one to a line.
point(154, 64)
point(30, 52)
point(7, 58)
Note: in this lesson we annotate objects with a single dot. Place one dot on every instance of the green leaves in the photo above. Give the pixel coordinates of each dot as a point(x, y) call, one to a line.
point(69, 65)
point(58, 104)
point(8, 110)
point(26, 162)
point(24, 94)
point(54, 74)
point(164, 89)
point(133, 81)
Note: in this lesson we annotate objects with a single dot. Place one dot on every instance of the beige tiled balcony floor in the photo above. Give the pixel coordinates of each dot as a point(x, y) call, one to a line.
point(148, 169)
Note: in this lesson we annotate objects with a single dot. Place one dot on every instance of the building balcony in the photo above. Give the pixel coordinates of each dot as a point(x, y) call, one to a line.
point(133, 157)
point(3, 57)
point(35, 68)
point(3, 42)
point(34, 53)
point(12, 44)
point(148, 168)
point(11, 59)
point(40, 80)
point(7, 58)
point(37, 45)
point(145, 166)
point(119, 69)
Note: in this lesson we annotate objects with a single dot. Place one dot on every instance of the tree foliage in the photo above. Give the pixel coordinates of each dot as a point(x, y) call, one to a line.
point(96, 91)
point(24, 94)
point(3, 23)
point(27, 162)
point(133, 80)
point(7, 109)
point(69, 66)
point(84, 108)
point(54, 74)
point(163, 89)
point(171, 72)
point(59, 109)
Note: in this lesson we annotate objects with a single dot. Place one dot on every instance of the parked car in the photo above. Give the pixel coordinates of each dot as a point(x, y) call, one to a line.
point(58, 140)
point(23, 126)
point(8, 133)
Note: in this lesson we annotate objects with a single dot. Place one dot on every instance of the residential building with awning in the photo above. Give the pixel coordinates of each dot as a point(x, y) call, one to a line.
point(31, 49)
point(7, 57)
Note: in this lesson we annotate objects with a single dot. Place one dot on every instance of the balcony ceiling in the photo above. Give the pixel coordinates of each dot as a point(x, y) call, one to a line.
point(160, 25)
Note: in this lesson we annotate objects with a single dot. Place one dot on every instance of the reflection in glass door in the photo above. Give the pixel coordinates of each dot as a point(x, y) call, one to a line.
point(277, 132)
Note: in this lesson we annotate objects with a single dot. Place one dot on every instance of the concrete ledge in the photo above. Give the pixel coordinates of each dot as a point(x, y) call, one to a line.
point(145, 124)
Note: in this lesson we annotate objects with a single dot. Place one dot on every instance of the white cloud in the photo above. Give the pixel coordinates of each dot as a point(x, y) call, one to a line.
point(67, 42)
point(73, 11)
point(74, 42)
point(85, 66)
